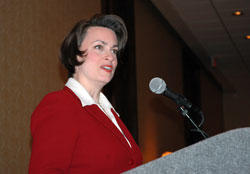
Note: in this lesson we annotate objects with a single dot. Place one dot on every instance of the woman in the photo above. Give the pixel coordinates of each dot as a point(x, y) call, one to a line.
point(76, 129)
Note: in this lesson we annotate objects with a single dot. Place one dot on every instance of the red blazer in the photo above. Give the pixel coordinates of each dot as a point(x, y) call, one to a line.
point(69, 138)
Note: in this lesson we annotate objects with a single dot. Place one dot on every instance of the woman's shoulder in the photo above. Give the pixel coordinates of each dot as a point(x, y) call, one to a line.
point(58, 106)
point(60, 101)
point(63, 96)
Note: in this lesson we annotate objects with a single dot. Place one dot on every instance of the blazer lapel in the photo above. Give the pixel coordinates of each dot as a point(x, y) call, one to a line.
point(125, 130)
point(96, 112)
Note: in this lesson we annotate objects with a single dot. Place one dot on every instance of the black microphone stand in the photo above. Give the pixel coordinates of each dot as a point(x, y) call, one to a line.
point(184, 112)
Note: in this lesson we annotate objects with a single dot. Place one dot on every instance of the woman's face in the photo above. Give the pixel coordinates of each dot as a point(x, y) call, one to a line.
point(100, 61)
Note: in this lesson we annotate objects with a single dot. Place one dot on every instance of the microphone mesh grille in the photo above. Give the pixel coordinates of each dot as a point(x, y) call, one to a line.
point(157, 85)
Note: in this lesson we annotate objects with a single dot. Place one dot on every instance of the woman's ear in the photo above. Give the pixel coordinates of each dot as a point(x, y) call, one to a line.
point(80, 58)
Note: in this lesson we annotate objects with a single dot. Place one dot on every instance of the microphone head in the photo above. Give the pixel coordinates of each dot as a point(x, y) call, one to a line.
point(157, 85)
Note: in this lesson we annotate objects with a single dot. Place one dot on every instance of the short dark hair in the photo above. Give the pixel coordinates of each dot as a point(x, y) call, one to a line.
point(72, 42)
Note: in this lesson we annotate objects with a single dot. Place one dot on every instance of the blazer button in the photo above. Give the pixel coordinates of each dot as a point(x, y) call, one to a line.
point(131, 162)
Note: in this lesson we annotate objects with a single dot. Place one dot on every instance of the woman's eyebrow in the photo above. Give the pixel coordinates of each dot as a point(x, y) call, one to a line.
point(105, 43)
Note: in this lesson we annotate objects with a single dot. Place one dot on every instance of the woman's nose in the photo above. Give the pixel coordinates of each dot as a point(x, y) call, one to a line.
point(109, 55)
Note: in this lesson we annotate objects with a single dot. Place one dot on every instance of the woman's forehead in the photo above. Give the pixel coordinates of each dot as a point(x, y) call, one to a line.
point(101, 34)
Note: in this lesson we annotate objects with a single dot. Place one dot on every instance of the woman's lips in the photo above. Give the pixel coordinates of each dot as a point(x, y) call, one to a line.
point(107, 68)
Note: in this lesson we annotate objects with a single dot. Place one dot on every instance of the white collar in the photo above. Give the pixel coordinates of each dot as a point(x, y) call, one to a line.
point(84, 96)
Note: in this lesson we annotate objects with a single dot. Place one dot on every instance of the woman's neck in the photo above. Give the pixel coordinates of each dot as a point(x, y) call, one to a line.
point(93, 89)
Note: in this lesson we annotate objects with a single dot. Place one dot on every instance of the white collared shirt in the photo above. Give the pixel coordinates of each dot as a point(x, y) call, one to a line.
point(86, 100)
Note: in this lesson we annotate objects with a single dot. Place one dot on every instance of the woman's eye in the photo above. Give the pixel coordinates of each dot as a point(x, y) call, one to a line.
point(114, 52)
point(99, 47)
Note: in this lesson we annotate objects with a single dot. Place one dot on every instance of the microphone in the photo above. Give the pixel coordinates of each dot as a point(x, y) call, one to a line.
point(158, 86)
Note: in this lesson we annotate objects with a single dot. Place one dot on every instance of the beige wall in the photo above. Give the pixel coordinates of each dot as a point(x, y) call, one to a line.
point(158, 53)
point(31, 33)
